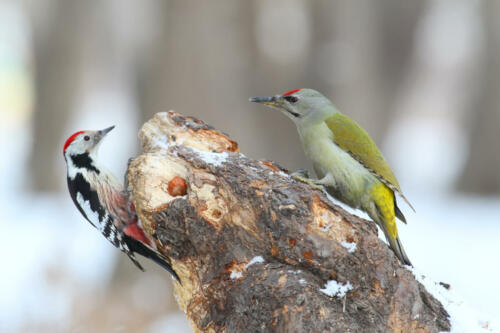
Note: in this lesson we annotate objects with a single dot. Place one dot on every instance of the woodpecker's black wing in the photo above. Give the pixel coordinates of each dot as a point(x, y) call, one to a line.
point(80, 185)
point(145, 251)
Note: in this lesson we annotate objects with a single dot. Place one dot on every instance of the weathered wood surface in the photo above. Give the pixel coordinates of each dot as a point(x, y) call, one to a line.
point(216, 213)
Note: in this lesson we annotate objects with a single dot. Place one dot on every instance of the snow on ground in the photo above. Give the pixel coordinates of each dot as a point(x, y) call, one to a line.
point(171, 323)
point(456, 241)
point(44, 246)
point(463, 317)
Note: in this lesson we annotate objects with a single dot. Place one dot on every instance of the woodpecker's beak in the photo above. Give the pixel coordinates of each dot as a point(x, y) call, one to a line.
point(275, 101)
point(102, 133)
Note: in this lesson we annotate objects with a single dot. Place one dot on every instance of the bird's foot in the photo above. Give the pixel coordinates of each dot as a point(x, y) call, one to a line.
point(125, 177)
point(301, 172)
point(299, 175)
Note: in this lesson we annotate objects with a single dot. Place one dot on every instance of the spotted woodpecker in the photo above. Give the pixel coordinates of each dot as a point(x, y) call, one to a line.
point(103, 201)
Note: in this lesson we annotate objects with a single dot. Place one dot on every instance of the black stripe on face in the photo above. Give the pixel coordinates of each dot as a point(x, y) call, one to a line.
point(84, 161)
point(82, 186)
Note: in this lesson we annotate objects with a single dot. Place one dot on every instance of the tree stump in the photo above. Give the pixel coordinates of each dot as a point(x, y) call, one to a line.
point(258, 251)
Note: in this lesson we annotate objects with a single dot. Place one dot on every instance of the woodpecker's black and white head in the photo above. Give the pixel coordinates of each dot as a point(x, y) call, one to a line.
point(80, 150)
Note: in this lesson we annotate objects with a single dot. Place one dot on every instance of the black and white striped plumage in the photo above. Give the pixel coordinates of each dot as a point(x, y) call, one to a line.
point(103, 201)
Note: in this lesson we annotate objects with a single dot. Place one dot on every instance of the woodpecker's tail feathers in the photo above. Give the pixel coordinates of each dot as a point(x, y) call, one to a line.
point(136, 263)
point(398, 249)
point(402, 254)
point(145, 251)
point(394, 244)
point(398, 212)
point(406, 200)
point(385, 217)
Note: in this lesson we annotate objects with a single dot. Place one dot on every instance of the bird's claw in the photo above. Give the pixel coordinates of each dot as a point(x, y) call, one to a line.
point(303, 172)
point(316, 186)
point(300, 177)
point(125, 177)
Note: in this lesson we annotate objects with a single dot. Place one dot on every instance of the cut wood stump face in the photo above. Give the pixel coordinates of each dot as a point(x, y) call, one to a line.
point(257, 250)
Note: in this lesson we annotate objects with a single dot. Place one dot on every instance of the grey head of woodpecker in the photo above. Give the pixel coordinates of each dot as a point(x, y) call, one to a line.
point(300, 105)
point(85, 142)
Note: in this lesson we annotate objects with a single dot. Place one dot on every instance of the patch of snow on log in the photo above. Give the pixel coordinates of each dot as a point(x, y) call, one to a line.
point(255, 260)
point(334, 288)
point(351, 247)
point(215, 159)
point(238, 274)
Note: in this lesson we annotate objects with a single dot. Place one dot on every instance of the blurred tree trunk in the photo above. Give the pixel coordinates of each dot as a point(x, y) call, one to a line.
point(198, 59)
point(214, 52)
point(481, 171)
point(361, 53)
point(57, 47)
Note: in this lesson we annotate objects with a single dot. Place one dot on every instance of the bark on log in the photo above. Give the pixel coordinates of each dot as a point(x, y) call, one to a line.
point(254, 248)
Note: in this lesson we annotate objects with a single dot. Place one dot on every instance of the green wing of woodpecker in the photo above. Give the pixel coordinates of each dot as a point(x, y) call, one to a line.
point(349, 136)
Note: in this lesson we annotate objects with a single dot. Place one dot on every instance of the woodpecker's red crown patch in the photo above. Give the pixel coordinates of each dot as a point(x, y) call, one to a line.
point(291, 92)
point(70, 139)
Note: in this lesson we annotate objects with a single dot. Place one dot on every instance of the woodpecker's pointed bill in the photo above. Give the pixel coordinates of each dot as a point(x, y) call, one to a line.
point(101, 134)
point(279, 102)
point(106, 131)
point(268, 100)
point(103, 201)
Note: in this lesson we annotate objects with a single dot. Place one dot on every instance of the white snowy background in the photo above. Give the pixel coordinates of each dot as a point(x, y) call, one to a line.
point(54, 266)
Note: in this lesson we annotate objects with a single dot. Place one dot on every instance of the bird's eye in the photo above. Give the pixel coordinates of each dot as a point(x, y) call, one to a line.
point(291, 99)
point(86, 138)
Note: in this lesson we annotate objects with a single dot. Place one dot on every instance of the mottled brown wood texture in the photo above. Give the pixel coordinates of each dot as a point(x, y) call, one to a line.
point(212, 210)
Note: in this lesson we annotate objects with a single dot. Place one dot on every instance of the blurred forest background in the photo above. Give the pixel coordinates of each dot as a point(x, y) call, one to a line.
point(422, 77)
